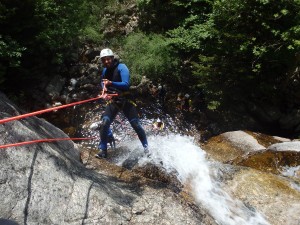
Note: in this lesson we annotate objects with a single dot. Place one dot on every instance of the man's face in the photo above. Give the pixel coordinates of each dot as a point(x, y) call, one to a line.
point(107, 61)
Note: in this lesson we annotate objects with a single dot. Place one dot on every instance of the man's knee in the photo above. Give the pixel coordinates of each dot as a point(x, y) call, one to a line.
point(135, 123)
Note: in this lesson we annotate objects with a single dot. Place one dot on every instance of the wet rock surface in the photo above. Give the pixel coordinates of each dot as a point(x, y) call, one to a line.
point(54, 182)
point(47, 184)
point(269, 161)
point(255, 150)
point(276, 197)
point(229, 145)
point(261, 182)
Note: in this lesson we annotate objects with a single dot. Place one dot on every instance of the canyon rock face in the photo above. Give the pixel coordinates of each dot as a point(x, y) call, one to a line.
point(61, 183)
point(46, 183)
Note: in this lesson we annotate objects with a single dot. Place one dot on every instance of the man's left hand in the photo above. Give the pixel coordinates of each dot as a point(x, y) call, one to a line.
point(106, 97)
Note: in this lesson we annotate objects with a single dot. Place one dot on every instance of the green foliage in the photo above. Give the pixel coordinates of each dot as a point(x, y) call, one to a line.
point(11, 51)
point(36, 36)
point(12, 25)
point(149, 55)
point(234, 50)
point(91, 11)
point(104, 20)
point(252, 49)
point(59, 24)
point(191, 38)
point(160, 15)
point(238, 49)
point(91, 34)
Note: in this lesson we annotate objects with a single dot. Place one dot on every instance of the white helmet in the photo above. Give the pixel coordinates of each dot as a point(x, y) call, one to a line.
point(106, 52)
point(158, 120)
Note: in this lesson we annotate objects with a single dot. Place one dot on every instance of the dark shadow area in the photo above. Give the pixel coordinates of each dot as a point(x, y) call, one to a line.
point(8, 222)
point(87, 203)
point(29, 186)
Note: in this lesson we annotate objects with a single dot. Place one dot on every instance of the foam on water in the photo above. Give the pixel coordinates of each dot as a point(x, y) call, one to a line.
point(291, 171)
point(179, 154)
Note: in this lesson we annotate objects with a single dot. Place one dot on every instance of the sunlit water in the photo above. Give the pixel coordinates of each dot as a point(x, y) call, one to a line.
point(180, 155)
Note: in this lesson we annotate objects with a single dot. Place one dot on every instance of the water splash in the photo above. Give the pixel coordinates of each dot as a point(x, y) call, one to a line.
point(291, 171)
point(179, 154)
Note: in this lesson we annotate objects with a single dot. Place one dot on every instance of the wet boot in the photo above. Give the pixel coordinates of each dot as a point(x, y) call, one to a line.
point(112, 142)
point(102, 154)
point(146, 149)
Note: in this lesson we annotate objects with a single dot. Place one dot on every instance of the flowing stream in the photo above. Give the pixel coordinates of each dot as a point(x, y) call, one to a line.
point(179, 154)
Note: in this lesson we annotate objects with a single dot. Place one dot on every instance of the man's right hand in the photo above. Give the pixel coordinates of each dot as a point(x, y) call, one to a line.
point(106, 82)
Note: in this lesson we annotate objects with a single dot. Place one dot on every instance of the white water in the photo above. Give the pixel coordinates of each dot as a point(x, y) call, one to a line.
point(176, 153)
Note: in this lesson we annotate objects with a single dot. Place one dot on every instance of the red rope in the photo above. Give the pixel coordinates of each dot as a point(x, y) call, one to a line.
point(103, 95)
point(44, 140)
point(54, 108)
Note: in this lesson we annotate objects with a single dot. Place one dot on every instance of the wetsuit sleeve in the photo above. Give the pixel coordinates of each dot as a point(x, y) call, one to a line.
point(125, 77)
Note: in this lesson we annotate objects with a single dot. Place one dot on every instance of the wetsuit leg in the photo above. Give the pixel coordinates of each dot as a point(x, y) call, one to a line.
point(109, 114)
point(111, 139)
point(131, 114)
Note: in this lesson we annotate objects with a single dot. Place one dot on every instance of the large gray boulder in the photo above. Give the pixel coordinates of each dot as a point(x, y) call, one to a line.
point(46, 183)
point(227, 146)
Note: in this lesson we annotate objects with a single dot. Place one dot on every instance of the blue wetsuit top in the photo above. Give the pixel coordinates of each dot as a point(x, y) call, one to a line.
point(125, 77)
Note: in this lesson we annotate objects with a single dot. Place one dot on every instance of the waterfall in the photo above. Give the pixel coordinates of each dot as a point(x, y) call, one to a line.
point(180, 155)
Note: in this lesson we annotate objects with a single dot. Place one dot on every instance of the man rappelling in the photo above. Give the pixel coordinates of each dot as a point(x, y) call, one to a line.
point(115, 78)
